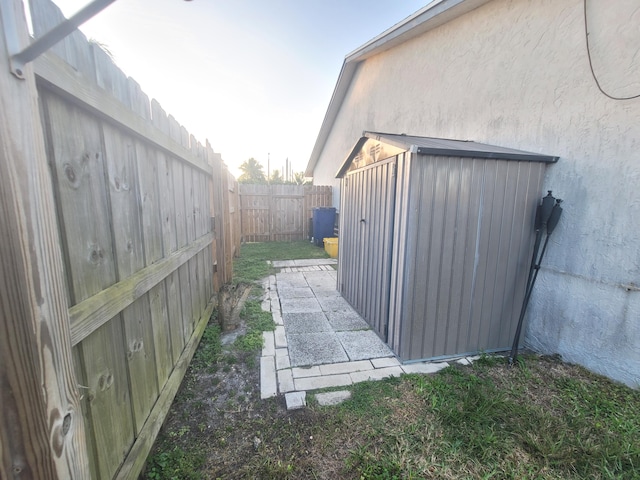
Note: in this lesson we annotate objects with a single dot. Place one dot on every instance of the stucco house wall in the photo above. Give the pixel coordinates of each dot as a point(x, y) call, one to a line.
point(516, 73)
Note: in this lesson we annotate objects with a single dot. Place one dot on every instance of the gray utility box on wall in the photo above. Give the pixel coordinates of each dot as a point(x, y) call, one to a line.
point(435, 241)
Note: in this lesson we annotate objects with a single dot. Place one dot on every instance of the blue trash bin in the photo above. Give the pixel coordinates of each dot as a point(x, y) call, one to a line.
point(324, 218)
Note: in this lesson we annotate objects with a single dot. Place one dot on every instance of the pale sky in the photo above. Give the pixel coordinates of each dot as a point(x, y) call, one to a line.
point(253, 76)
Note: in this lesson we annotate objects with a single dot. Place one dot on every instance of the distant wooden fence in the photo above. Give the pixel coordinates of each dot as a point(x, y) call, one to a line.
point(117, 227)
point(273, 213)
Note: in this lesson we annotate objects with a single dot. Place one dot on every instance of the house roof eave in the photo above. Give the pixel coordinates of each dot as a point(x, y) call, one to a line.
point(427, 18)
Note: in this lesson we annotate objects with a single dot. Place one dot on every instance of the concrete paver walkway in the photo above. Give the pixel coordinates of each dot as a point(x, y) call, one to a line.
point(320, 340)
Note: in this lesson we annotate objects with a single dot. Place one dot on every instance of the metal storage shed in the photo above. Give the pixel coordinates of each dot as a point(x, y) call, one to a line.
point(435, 241)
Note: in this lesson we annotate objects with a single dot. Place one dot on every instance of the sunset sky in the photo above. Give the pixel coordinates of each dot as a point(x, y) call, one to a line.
point(253, 76)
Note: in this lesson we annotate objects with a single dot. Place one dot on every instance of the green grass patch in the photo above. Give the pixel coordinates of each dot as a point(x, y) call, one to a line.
point(209, 350)
point(541, 419)
point(176, 463)
point(371, 399)
point(257, 321)
point(252, 265)
point(495, 417)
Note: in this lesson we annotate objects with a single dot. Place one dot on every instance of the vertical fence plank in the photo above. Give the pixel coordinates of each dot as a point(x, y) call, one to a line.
point(179, 201)
point(228, 238)
point(79, 54)
point(174, 310)
point(139, 100)
point(219, 194)
point(174, 129)
point(213, 188)
point(108, 398)
point(184, 290)
point(109, 76)
point(138, 348)
point(237, 228)
point(161, 332)
point(190, 177)
point(141, 360)
point(194, 278)
point(41, 426)
point(184, 138)
point(167, 204)
point(120, 155)
point(44, 16)
point(74, 48)
point(148, 176)
point(78, 163)
point(159, 117)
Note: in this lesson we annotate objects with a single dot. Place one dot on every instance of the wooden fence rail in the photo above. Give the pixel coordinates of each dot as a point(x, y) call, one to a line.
point(272, 213)
point(117, 228)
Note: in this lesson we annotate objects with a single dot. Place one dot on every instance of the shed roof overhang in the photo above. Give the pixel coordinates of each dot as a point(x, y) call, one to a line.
point(427, 18)
point(443, 147)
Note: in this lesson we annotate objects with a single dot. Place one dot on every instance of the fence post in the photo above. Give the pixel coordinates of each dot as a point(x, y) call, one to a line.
point(41, 426)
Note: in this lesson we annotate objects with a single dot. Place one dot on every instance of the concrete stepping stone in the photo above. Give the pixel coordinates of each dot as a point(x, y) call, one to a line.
point(268, 344)
point(315, 348)
point(333, 304)
point(296, 400)
point(377, 374)
point(424, 367)
point(299, 305)
point(332, 398)
point(295, 292)
point(268, 382)
point(325, 381)
point(291, 280)
point(363, 345)
point(309, 322)
point(348, 319)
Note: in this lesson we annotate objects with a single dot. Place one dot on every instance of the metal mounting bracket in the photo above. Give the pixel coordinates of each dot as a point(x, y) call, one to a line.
point(18, 56)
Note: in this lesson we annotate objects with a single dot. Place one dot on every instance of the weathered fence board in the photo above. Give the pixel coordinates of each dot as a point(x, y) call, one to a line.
point(126, 204)
point(272, 213)
point(161, 332)
point(119, 151)
point(41, 428)
point(54, 73)
point(167, 205)
point(107, 397)
point(134, 462)
point(140, 355)
point(75, 151)
point(94, 311)
point(148, 176)
point(174, 307)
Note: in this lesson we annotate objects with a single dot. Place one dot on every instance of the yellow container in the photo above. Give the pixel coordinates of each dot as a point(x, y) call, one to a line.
point(331, 246)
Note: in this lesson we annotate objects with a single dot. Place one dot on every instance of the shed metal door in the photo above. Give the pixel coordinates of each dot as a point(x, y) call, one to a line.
point(366, 239)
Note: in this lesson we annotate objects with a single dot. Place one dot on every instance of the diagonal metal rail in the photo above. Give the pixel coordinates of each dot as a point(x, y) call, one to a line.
point(19, 56)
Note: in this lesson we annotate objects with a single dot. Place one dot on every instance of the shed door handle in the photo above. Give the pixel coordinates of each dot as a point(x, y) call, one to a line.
point(363, 220)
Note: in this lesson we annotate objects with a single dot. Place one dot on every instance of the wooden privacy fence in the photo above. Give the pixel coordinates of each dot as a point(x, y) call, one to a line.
point(275, 213)
point(116, 228)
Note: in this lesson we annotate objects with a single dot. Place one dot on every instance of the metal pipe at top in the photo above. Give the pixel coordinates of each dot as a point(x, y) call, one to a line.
point(59, 32)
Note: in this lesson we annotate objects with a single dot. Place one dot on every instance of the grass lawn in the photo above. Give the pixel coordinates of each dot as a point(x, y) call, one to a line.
point(251, 266)
point(541, 419)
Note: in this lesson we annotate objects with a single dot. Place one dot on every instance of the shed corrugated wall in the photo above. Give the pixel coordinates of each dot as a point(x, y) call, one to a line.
point(462, 246)
point(366, 239)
